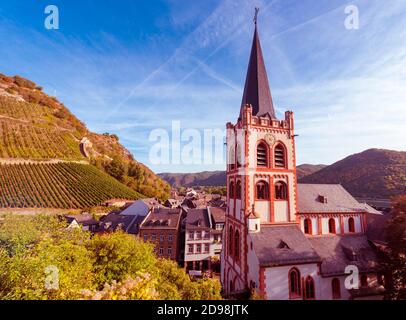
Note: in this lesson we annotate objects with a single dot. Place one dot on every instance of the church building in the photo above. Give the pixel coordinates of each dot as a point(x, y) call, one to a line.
point(284, 240)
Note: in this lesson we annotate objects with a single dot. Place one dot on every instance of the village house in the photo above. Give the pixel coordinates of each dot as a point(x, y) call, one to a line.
point(84, 221)
point(203, 239)
point(162, 228)
point(285, 240)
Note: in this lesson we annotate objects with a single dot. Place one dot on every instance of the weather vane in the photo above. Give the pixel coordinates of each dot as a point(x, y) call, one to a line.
point(256, 15)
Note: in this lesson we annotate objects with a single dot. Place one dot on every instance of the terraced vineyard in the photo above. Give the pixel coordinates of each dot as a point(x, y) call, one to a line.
point(57, 185)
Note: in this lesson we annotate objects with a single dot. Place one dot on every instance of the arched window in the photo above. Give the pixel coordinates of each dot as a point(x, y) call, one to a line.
point(239, 155)
point(294, 283)
point(262, 190)
point(307, 226)
point(238, 190)
point(280, 159)
point(262, 155)
point(230, 242)
point(335, 287)
point(364, 281)
point(351, 225)
point(281, 191)
point(231, 189)
point(331, 225)
point(309, 289)
point(237, 245)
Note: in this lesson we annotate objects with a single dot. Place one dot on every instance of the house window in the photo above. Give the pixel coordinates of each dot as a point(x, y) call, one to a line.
point(198, 235)
point(309, 289)
point(145, 237)
point(262, 155)
point(307, 226)
point(237, 245)
point(364, 281)
point(198, 248)
point(280, 161)
point(281, 191)
point(161, 238)
point(153, 237)
point(335, 287)
point(262, 190)
point(161, 251)
point(191, 235)
point(351, 225)
point(206, 248)
point(170, 237)
point(207, 235)
point(294, 283)
point(169, 251)
point(331, 225)
point(238, 190)
point(190, 248)
point(231, 189)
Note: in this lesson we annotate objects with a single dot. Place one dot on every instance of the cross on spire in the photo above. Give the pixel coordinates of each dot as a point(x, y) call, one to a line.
point(256, 15)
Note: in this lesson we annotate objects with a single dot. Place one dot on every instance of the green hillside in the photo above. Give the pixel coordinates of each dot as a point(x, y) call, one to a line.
point(36, 126)
point(57, 185)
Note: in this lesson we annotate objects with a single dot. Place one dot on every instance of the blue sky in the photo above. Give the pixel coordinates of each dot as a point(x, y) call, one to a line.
point(129, 67)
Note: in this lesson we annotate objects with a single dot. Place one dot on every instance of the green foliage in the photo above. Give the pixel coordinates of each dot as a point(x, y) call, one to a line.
point(119, 255)
point(113, 266)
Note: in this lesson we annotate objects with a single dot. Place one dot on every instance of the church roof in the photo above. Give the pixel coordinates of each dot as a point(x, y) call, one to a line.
point(282, 245)
point(337, 252)
point(319, 198)
point(256, 91)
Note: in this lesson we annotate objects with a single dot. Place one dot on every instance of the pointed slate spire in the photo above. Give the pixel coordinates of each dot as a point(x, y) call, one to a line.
point(256, 91)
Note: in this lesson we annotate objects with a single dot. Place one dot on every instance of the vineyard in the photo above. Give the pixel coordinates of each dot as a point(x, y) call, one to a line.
point(57, 185)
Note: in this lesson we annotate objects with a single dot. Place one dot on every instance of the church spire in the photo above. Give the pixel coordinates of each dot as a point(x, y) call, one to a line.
point(256, 91)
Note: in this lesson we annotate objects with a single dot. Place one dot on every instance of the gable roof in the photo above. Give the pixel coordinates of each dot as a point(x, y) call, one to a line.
point(218, 214)
point(337, 252)
point(338, 199)
point(282, 245)
point(256, 90)
point(197, 219)
point(84, 219)
point(162, 218)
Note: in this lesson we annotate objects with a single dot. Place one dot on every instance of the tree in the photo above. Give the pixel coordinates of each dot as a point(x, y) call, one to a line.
point(119, 255)
point(394, 257)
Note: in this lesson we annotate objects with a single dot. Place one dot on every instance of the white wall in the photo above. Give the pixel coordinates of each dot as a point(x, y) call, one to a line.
point(277, 280)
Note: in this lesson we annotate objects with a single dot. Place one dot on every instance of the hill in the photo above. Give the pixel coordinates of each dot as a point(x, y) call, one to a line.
point(57, 185)
point(306, 169)
point(35, 126)
point(218, 178)
point(374, 173)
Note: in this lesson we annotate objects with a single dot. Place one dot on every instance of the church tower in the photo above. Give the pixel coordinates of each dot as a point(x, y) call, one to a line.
point(261, 175)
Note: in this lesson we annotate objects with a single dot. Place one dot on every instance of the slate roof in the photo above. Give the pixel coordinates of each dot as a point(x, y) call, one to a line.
point(338, 199)
point(256, 90)
point(82, 219)
point(337, 252)
point(113, 222)
point(163, 218)
point(218, 214)
point(197, 219)
point(282, 245)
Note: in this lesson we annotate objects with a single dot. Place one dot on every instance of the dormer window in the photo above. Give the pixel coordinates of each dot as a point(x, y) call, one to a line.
point(322, 199)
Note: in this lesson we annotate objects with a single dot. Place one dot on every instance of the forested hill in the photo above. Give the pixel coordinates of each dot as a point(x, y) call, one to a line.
point(218, 178)
point(376, 173)
point(36, 126)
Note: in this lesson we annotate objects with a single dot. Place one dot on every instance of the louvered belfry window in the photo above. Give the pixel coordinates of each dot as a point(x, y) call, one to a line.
point(262, 155)
point(279, 156)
